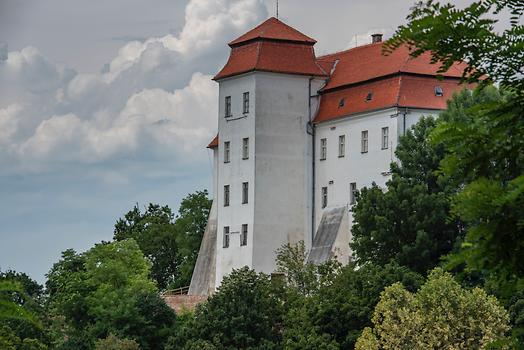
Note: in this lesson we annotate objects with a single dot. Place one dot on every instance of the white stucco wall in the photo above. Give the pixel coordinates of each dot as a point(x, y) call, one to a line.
point(283, 182)
point(234, 173)
point(336, 173)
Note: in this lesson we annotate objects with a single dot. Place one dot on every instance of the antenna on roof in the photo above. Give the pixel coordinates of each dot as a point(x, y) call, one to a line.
point(277, 9)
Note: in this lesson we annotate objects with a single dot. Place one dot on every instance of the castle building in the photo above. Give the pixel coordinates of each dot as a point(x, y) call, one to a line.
point(298, 135)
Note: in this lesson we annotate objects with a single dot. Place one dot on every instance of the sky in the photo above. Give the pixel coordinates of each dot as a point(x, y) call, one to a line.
point(109, 103)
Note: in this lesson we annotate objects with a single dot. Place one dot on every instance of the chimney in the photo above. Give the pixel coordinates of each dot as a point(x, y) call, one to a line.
point(376, 38)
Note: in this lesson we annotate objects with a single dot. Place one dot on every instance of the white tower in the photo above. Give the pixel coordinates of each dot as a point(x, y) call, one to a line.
point(264, 182)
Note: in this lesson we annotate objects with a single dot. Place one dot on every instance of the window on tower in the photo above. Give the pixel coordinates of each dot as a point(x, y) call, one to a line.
point(226, 196)
point(245, 148)
point(341, 146)
point(228, 106)
point(225, 242)
point(245, 192)
point(245, 103)
point(364, 142)
point(323, 149)
point(227, 152)
point(385, 138)
point(243, 235)
point(324, 197)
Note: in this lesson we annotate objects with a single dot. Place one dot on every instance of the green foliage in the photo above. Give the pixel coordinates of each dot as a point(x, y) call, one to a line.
point(170, 245)
point(306, 278)
point(154, 231)
point(114, 343)
point(336, 315)
point(244, 313)
point(190, 225)
point(441, 315)
point(468, 34)
point(105, 291)
point(408, 223)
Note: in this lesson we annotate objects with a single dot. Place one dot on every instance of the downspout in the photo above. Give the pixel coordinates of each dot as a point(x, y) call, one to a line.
point(311, 131)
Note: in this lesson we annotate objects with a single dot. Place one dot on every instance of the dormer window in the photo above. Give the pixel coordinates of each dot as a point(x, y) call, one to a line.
point(341, 102)
point(439, 92)
point(369, 97)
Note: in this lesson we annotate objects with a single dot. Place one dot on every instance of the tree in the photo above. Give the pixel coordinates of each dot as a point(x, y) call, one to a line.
point(155, 233)
point(486, 150)
point(408, 223)
point(335, 316)
point(107, 290)
point(451, 34)
point(15, 319)
point(114, 343)
point(441, 315)
point(306, 278)
point(190, 225)
point(243, 314)
point(170, 245)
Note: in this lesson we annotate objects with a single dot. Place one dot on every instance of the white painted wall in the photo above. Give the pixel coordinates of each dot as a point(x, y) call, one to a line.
point(336, 173)
point(283, 181)
point(234, 173)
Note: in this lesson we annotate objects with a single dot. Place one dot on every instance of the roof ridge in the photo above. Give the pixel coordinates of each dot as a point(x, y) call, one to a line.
point(347, 50)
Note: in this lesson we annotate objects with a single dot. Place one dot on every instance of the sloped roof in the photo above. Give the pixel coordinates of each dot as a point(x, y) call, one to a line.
point(273, 29)
point(272, 56)
point(367, 62)
point(213, 143)
point(397, 91)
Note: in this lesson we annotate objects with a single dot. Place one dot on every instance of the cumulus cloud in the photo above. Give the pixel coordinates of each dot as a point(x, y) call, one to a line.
point(154, 99)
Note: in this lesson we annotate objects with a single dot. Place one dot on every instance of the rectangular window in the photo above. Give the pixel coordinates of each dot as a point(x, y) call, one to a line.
point(341, 146)
point(243, 235)
point(228, 107)
point(324, 197)
point(245, 103)
point(385, 138)
point(364, 148)
point(245, 192)
point(245, 148)
point(227, 151)
point(323, 149)
point(225, 242)
point(352, 193)
point(226, 196)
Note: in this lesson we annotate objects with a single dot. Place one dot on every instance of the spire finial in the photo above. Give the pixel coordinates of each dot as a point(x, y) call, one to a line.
point(277, 9)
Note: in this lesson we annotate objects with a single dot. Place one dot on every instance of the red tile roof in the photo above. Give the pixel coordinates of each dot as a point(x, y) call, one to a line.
point(367, 62)
point(269, 56)
point(397, 91)
point(273, 29)
point(213, 143)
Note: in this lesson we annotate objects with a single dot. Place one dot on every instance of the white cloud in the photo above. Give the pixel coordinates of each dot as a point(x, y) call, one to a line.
point(147, 103)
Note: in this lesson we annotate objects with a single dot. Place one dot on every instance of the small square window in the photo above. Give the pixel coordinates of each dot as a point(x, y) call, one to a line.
point(243, 235)
point(439, 92)
point(324, 197)
point(226, 196)
point(225, 242)
point(341, 146)
point(385, 138)
point(245, 104)
point(228, 106)
point(364, 142)
point(245, 192)
point(227, 152)
point(245, 148)
point(323, 149)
